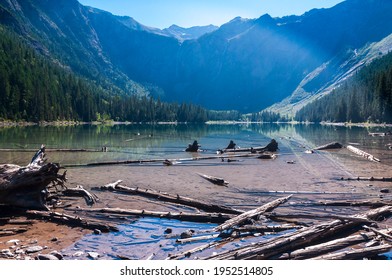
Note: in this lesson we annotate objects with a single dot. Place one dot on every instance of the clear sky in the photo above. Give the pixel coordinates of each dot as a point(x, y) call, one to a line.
point(187, 13)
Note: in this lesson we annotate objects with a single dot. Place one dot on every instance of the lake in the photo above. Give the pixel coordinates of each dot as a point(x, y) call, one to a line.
point(252, 182)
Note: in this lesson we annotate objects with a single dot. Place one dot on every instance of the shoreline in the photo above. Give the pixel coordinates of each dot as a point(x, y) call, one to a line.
point(111, 123)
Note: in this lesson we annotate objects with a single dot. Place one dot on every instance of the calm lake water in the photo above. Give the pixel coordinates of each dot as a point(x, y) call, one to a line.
point(138, 142)
point(143, 142)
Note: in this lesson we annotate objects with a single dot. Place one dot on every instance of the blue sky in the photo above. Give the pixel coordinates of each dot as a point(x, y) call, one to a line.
point(187, 13)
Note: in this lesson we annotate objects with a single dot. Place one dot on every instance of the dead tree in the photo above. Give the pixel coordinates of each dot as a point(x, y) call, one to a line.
point(32, 186)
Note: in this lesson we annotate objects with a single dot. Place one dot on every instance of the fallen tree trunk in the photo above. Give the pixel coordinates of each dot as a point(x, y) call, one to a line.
point(380, 179)
point(301, 238)
point(356, 254)
point(331, 246)
point(27, 187)
point(71, 220)
point(238, 220)
point(209, 207)
point(329, 146)
point(271, 147)
point(214, 180)
point(362, 153)
point(182, 216)
point(30, 187)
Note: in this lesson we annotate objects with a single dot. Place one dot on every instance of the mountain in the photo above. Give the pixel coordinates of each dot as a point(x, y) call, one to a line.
point(192, 33)
point(246, 64)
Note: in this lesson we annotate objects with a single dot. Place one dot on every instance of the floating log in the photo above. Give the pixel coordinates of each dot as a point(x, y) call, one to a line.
point(271, 147)
point(302, 238)
point(238, 220)
point(209, 207)
point(141, 161)
point(214, 180)
point(329, 146)
point(182, 216)
point(380, 134)
point(71, 220)
point(362, 153)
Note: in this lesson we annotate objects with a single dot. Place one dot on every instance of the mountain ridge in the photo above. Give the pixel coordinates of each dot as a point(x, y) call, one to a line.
point(245, 64)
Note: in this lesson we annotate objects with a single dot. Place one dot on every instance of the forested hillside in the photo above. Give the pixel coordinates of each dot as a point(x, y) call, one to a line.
point(366, 97)
point(32, 88)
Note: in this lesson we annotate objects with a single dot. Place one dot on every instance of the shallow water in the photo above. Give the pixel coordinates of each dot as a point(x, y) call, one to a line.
point(251, 180)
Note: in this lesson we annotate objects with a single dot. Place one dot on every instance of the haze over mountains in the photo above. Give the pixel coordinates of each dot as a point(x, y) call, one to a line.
point(246, 64)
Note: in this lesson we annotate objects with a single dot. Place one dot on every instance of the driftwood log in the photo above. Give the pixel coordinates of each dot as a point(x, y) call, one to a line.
point(284, 244)
point(177, 199)
point(182, 216)
point(27, 187)
point(32, 186)
point(270, 147)
point(215, 180)
point(362, 153)
point(238, 220)
point(329, 146)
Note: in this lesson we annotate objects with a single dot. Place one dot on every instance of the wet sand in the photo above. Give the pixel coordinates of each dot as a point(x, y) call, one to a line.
point(252, 182)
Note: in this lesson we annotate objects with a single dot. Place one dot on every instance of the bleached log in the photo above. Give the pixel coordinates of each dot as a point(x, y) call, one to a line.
point(355, 254)
point(362, 153)
point(182, 216)
point(238, 220)
point(183, 200)
point(214, 180)
point(302, 238)
point(331, 246)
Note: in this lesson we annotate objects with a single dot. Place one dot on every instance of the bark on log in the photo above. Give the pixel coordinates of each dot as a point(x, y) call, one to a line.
point(182, 216)
point(329, 146)
point(362, 153)
point(209, 207)
point(215, 180)
point(302, 238)
point(238, 220)
point(357, 253)
point(271, 147)
point(27, 187)
point(63, 218)
point(380, 179)
point(331, 246)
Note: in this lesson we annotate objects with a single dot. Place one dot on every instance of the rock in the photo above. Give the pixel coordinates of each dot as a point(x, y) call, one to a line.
point(168, 230)
point(54, 239)
point(78, 254)
point(57, 255)
point(46, 257)
point(33, 249)
point(93, 255)
point(14, 241)
point(384, 190)
point(97, 231)
point(187, 234)
point(6, 253)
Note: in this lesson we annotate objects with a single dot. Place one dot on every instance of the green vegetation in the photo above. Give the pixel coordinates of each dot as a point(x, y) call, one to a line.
point(33, 88)
point(366, 97)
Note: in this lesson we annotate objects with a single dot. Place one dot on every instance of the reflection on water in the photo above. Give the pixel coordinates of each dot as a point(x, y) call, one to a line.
point(141, 141)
